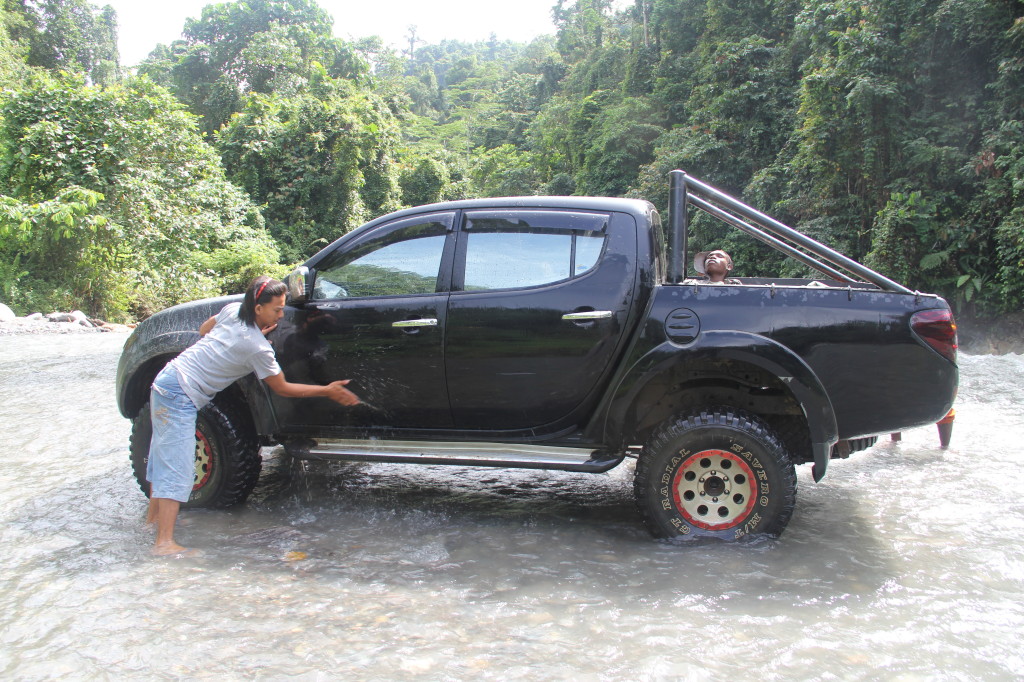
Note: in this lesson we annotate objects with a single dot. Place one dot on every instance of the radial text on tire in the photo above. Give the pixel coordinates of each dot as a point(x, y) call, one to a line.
point(227, 454)
point(719, 473)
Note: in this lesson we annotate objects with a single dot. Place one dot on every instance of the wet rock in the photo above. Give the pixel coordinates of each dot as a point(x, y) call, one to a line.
point(111, 326)
point(75, 316)
point(6, 314)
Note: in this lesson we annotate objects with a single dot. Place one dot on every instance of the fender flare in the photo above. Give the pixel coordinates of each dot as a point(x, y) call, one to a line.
point(753, 349)
point(139, 352)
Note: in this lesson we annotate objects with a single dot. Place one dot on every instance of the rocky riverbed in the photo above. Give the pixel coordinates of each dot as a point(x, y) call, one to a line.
point(54, 323)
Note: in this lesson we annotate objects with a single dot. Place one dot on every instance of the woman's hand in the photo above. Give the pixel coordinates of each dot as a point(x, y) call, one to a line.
point(337, 392)
point(269, 328)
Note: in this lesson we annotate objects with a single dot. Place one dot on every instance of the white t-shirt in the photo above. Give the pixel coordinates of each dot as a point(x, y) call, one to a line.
point(227, 353)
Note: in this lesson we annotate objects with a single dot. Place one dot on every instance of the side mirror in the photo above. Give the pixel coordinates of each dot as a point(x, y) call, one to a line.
point(298, 285)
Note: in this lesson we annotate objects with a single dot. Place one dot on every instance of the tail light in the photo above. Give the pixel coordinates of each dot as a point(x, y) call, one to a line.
point(938, 330)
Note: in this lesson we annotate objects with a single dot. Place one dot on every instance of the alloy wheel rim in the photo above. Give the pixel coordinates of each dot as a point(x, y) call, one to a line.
point(714, 489)
point(204, 461)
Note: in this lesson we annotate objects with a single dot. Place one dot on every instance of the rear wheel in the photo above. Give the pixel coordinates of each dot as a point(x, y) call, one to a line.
point(227, 455)
point(720, 473)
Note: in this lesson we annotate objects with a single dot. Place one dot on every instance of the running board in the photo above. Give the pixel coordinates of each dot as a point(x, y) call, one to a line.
point(509, 455)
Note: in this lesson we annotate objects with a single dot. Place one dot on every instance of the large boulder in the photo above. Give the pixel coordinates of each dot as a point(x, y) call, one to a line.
point(6, 314)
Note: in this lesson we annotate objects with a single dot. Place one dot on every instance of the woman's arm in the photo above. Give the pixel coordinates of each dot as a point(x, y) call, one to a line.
point(205, 327)
point(335, 390)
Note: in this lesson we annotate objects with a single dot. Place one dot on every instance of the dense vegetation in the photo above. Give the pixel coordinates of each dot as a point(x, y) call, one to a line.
point(892, 130)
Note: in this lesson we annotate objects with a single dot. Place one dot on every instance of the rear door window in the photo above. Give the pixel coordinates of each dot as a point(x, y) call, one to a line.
point(517, 249)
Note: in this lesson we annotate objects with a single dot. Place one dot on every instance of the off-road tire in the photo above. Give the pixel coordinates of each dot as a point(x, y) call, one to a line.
point(227, 454)
point(718, 473)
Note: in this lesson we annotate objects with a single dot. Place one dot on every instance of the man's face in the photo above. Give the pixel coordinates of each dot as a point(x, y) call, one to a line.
point(717, 265)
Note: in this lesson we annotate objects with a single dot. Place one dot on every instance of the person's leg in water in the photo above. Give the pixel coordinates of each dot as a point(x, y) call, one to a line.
point(171, 467)
point(151, 516)
point(166, 516)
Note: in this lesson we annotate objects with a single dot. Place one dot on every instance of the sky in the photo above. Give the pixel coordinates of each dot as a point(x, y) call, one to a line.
point(143, 24)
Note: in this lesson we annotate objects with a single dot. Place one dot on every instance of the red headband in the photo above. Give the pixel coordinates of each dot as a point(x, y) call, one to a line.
point(260, 291)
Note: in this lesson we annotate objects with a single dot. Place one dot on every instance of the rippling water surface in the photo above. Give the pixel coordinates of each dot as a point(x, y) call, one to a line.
point(905, 562)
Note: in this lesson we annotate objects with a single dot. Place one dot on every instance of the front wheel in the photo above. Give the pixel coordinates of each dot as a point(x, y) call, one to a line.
point(720, 473)
point(227, 455)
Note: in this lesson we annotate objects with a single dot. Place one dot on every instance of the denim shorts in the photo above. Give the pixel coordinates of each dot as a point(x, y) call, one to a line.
point(171, 469)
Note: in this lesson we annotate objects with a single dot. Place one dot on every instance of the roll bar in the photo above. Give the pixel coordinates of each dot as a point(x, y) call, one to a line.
point(688, 190)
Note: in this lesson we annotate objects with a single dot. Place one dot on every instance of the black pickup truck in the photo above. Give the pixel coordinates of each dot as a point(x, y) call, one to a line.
point(563, 333)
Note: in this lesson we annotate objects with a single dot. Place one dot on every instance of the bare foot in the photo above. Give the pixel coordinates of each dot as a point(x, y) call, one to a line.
point(175, 550)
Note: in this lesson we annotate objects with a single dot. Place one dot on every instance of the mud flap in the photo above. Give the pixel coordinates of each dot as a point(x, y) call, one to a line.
point(822, 453)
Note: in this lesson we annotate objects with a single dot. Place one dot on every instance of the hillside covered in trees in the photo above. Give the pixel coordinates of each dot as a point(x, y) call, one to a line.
point(892, 130)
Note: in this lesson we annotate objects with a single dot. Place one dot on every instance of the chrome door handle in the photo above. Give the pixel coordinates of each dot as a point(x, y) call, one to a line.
point(588, 315)
point(426, 322)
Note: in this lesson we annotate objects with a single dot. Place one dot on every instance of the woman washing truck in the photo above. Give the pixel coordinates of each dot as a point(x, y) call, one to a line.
point(232, 344)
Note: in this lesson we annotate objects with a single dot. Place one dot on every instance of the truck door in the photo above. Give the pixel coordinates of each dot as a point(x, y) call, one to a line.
point(375, 316)
point(539, 304)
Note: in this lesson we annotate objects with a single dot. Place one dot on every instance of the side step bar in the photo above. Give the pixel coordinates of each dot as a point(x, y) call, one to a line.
point(508, 455)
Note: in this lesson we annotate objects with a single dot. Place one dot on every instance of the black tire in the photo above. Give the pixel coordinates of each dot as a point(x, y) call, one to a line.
point(720, 473)
point(227, 455)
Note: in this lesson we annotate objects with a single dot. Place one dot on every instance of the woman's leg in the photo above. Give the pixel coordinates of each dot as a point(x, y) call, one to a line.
point(166, 516)
point(171, 467)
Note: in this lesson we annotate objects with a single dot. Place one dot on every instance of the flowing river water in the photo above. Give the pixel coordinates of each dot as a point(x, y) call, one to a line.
point(904, 563)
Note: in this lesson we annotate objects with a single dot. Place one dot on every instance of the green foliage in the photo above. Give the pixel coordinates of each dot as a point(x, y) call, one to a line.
point(1005, 192)
point(319, 163)
point(894, 97)
point(13, 52)
point(617, 143)
point(902, 231)
point(109, 189)
point(70, 35)
point(582, 26)
point(424, 183)
point(63, 228)
point(505, 171)
point(245, 256)
point(259, 46)
point(10, 274)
